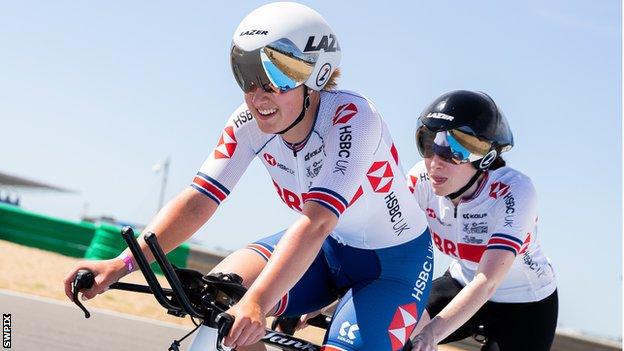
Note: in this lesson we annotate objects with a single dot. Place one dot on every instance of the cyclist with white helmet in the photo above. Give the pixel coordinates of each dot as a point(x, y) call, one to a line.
point(359, 237)
point(500, 286)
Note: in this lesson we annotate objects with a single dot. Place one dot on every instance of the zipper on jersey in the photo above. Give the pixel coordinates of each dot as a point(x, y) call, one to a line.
point(298, 177)
point(454, 211)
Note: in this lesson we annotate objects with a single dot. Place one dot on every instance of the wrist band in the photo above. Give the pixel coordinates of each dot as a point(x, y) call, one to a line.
point(128, 261)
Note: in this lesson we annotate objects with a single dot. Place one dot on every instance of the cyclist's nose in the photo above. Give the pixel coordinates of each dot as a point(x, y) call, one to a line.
point(436, 161)
point(258, 96)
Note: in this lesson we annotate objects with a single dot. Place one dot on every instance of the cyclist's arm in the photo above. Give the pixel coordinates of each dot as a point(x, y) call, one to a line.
point(517, 215)
point(294, 253)
point(178, 220)
point(218, 175)
point(493, 268)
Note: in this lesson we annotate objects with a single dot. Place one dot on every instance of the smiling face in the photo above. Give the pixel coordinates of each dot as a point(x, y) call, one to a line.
point(446, 177)
point(274, 111)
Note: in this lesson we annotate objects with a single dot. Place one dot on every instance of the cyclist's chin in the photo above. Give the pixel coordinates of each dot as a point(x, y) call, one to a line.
point(441, 189)
point(268, 128)
point(271, 126)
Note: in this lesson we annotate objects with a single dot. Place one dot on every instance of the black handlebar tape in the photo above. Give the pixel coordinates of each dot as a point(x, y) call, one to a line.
point(84, 279)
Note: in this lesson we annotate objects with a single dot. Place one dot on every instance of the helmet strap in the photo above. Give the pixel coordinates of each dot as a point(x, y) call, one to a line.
point(472, 180)
point(304, 108)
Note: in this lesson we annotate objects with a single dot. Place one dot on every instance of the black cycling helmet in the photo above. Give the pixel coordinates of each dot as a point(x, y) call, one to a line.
point(474, 121)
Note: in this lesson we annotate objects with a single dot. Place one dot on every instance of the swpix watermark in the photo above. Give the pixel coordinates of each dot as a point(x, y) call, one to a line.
point(6, 331)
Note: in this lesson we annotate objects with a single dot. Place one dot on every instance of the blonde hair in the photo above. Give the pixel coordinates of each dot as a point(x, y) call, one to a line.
point(333, 80)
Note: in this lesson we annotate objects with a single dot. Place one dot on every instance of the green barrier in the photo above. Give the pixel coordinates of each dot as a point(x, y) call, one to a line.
point(76, 239)
point(44, 232)
point(108, 243)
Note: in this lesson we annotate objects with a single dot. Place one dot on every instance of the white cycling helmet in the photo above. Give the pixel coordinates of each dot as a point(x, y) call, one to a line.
point(283, 45)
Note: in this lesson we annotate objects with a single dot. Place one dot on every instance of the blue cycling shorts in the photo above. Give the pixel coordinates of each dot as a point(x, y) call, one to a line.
point(382, 292)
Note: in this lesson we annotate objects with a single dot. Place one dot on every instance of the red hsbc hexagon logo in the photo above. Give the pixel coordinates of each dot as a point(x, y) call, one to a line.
point(431, 213)
point(380, 176)
point(227, 144)
point(413, 181)
point(498, 189)
point(270, 159)
point(344, 113)
point(402, 325)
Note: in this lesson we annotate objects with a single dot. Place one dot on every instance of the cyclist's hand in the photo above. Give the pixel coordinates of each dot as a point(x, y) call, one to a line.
point(106, 273)
point(304, 318)
point(424, 341)
point(248, 327)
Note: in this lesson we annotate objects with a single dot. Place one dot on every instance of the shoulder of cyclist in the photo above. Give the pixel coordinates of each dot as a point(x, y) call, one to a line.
point(418, 183)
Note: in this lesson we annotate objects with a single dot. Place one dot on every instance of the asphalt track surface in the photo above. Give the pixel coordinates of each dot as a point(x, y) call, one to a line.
point(44, 324)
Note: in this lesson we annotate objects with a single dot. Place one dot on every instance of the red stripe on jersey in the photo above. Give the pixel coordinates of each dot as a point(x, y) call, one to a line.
point(395, 154)
point(261, 250)
point(210, 188)
point(357, 195)
point(471, 252)
point(525, 244)
point(282, 305)
point(337, 204)
point(501, 241)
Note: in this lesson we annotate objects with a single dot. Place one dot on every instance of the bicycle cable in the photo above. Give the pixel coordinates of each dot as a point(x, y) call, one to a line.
point(175, 345)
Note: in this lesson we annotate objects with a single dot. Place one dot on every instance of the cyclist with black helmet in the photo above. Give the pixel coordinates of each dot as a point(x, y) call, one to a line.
point(359, 237)
point(482, 214)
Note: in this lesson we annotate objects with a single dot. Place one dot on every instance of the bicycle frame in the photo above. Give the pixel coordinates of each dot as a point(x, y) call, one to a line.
point(207, 336)
point(218, 293)
point(170, 299)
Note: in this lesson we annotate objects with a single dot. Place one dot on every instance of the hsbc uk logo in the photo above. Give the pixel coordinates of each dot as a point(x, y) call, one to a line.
point(396, 216)
point(344, 153)
point(273, 162)
point(501, 190)
point(431, 213)
point(498, 189)
point(347, 332)
point(380, 176)
point(402, 325)
point(227, 144)
point(344, 113)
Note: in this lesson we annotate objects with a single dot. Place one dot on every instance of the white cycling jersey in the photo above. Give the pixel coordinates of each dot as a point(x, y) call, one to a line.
point(502, 214)
point(348, 164)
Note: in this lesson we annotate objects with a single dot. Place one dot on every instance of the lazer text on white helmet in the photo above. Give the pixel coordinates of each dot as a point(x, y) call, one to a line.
point(284, 45)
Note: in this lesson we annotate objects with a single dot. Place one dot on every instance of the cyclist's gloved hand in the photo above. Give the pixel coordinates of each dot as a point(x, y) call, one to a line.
point(106, 273)
point(249, 323)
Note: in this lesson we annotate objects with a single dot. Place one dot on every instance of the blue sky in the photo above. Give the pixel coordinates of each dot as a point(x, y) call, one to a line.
point(92, 95)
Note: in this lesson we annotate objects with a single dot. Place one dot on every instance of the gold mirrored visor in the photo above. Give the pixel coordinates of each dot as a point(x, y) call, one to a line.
point(279, 66)
point(453, 146)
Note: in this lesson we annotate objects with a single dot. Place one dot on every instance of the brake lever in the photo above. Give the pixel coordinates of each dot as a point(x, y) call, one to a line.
point(224, 324)
point(84, 280)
